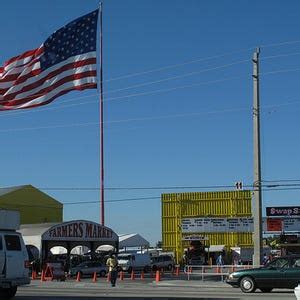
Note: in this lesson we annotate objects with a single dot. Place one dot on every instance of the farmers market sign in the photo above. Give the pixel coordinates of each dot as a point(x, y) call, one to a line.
point(79, 230)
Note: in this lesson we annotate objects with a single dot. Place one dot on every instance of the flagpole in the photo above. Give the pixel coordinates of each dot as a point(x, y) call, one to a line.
point(101, 124)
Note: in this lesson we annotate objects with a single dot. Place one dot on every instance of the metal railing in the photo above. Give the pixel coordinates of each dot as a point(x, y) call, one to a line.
point(203, 271)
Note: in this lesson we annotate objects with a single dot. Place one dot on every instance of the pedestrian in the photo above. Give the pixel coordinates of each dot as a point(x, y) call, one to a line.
point(265, 259)
point(112, 264)
point(220, 261)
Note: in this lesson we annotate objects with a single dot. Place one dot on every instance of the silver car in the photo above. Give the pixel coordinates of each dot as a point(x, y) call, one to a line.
point(162, 262)
point(89, 268)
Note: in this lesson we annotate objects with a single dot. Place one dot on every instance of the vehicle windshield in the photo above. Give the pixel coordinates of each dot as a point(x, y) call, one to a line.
point(278, 263)
point(125, 257)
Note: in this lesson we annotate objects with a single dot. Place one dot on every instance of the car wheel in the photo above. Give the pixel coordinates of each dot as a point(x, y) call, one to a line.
point(154, 268)
point(129, 270)
point(266, 290)
point(8, 293)
point(170, 267)
point(102, 273)
point(247, 285)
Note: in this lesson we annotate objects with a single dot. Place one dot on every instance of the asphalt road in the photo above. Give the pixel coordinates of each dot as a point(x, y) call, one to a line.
point(137, 289)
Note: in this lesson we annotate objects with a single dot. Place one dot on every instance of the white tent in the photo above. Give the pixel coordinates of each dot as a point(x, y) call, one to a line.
point(132, 240)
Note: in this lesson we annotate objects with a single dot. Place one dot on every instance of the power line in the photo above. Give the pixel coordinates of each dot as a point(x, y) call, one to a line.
point(84, 202)
point(280, 44)
point(280, 71)
point(178, 65)
point(200, 60)
point(279, 55)
point(178, 76)
point(160, 187)
point(12, 113)
point(145, 118)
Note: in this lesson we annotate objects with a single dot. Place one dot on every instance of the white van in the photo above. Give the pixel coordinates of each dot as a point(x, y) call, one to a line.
point(129, 262)
point(14, 264)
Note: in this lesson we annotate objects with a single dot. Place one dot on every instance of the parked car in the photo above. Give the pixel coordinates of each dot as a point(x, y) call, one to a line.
point(14, 263)
point(162, 262)
point(89, 268)
point(283, 272)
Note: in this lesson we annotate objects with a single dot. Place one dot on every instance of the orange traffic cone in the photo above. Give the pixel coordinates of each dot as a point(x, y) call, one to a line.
point(157, 277)
point(132, 277)
point(78, 277)
point(33, 275)
point(142, 275)
point(121, 275)
point(95, 277)
point(108, 277)
point(177, 271)
point(43, 276)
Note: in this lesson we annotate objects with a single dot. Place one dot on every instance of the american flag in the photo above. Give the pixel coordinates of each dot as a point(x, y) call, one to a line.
point(66, 61)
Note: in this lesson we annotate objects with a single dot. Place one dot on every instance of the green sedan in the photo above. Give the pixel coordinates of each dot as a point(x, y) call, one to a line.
point(282, 272)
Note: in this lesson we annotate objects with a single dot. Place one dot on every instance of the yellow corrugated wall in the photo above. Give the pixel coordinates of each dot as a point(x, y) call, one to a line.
point(176, 206)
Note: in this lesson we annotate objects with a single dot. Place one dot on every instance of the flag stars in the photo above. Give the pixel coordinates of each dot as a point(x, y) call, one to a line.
point(73, 39)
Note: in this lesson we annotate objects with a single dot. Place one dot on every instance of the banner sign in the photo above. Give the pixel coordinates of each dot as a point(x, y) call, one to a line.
point(79, 230)
point(217, 225)
point(274, 224)
point(283, 211)
point(194, 237)
point(198, 225)
point(291, 224)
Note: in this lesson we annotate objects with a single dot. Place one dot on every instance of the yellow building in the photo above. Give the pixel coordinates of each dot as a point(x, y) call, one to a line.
point(34, 205)
point(181, 208)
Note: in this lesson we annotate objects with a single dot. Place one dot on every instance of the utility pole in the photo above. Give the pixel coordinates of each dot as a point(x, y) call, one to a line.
point(257, 207)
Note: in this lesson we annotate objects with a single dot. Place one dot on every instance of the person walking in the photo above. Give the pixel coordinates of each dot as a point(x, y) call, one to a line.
point(265, 259)
point(220, 261)
point(112, 264)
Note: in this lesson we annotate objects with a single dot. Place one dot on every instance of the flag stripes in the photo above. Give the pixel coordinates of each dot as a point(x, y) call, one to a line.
point(66, 61)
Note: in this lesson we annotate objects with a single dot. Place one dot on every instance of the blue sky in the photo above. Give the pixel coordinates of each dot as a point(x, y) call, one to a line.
point(192, 127)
